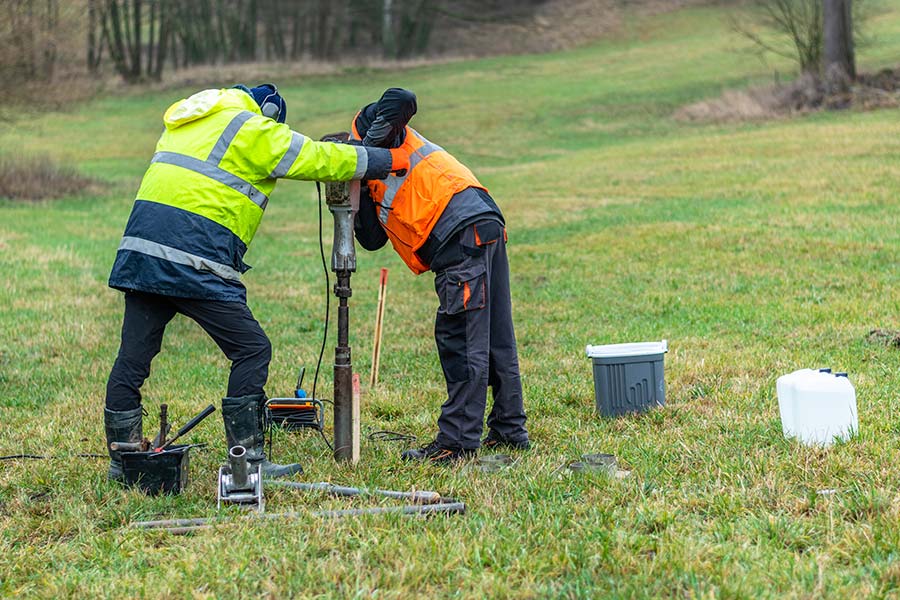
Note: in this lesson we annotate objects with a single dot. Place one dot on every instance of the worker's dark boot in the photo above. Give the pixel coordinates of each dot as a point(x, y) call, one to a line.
point(244, 427)
point(494, 440)
point(435, 454)
point(121, 426)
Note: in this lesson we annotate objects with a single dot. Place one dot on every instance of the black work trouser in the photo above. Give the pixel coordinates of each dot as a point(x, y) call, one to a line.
point(230, 324)
point(476, 340)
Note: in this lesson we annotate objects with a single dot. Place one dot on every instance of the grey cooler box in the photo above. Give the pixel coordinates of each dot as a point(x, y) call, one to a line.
point(628, 377)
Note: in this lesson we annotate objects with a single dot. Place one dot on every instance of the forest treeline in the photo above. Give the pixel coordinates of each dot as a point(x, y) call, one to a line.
point(140, 39)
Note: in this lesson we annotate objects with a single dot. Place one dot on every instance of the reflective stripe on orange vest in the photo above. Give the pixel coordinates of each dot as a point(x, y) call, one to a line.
point(394, 183)
point(410, 206)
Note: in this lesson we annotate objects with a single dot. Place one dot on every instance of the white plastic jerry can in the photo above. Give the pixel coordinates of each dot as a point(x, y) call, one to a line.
point(817, 407)
point(784, 389)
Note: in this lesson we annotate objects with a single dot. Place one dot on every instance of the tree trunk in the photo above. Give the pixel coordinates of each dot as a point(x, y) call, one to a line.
point(388, 44)
point(162, 42)
point(136, 40)
point(51, 20)
point(839, 59)
point(151, 38)
point(93, 56)
point(112, 29)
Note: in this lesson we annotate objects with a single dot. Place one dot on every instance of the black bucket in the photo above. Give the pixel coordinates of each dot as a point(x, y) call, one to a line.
point(157, 472)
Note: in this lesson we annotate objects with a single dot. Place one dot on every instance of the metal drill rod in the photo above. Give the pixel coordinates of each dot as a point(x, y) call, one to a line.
point(416, 497)
point(180, 526)
point(339, 198)
point(160, 440)
point(343, 377)
point(129, 446)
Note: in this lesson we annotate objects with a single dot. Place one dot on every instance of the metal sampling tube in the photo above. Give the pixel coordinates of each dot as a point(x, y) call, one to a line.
point(237, 457)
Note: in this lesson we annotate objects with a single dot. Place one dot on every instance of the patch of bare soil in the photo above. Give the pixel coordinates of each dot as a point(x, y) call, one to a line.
point(807, 94)
point(884, 337)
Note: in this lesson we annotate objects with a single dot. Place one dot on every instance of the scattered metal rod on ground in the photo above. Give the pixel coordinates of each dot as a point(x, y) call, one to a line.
point(415, 496)
point(182, 526)
point(50, 457)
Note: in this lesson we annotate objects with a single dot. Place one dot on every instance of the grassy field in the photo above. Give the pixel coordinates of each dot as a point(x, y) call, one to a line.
point(754, 249)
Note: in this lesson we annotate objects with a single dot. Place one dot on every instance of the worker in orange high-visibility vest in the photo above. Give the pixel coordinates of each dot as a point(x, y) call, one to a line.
point(439, 217)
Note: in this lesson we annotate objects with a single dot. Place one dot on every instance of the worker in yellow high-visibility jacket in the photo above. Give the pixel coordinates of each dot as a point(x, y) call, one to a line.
point(196, 212)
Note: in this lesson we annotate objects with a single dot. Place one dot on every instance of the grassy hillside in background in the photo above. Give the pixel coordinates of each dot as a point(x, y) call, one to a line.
point(754, 249)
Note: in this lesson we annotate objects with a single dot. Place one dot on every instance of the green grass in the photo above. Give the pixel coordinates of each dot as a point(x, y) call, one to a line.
point(754, 249)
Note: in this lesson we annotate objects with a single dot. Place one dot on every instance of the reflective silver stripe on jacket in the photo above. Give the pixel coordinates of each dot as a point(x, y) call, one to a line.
point(224, 141)
point(213, 172)
point(394, 183)
point(362, 162)
point(136, 244)
point(284, 165)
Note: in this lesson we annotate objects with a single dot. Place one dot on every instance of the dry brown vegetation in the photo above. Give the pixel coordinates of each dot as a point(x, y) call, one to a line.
point(806, 94)
point(39, 179)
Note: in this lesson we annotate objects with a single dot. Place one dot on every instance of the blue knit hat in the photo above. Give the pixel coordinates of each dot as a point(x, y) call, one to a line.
point(270, 102)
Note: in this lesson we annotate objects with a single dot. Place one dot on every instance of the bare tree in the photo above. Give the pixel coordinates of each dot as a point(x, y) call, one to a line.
point(788, 28)
point(813, 33)
point(29, 39)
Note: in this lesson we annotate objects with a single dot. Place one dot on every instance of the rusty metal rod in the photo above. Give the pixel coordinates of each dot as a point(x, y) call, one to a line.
point(128, 447)
point(343, 375)
point(163, 425)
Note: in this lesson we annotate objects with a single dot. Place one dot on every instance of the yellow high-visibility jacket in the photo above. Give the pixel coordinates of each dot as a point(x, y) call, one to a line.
point(208, 184)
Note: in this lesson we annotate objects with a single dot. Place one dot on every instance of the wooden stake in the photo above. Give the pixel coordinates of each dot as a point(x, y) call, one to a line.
point(354, 421)
point(379, 319)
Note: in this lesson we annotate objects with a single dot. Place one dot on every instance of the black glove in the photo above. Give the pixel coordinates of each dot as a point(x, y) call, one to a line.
point(393, 111)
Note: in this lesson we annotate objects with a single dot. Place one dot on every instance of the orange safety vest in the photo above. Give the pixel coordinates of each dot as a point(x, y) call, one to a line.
point(409, 206)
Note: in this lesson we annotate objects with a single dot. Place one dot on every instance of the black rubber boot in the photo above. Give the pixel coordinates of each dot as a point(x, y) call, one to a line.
point(244, 427)
point(121, 426)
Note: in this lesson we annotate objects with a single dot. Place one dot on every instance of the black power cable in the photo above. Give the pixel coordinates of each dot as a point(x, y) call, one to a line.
point(327, 295)
point(325, 328)
point(327, 309)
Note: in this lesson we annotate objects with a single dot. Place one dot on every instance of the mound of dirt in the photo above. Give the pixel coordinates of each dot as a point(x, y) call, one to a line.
point(804, 95)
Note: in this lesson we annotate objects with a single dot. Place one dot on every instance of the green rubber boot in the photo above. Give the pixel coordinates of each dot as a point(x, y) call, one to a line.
point(121, 426)
point(243, 418)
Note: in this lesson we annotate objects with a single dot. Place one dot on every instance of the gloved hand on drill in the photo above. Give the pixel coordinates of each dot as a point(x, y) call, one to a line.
point(384, 123)
point(385, 120)
point(399, 156)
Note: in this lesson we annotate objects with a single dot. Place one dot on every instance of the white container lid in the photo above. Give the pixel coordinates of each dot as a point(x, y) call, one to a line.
point(621, 350)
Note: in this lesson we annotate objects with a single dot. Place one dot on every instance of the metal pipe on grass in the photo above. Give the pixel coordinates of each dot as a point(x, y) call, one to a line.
point(415, 496)
point(182, 526)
